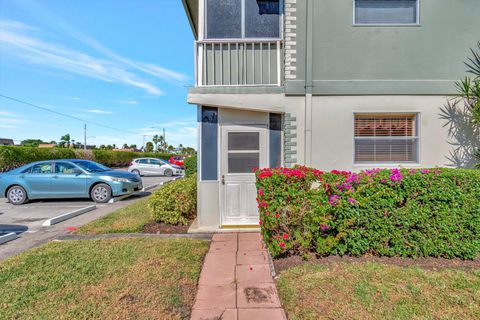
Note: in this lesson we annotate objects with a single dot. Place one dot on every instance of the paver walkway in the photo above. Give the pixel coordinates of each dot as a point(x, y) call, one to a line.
point(236, 282)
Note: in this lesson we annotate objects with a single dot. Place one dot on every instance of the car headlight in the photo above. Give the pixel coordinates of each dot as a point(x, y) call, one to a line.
point(120, 180)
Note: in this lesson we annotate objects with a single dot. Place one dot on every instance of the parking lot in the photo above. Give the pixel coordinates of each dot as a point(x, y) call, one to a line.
point(26, 220)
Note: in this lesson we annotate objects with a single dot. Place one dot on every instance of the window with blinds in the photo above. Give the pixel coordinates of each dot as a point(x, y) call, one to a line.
point(386, 11)
point(386, 138)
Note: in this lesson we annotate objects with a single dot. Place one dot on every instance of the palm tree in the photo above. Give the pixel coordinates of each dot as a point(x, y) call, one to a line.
point(156, 139)
point(65, 139)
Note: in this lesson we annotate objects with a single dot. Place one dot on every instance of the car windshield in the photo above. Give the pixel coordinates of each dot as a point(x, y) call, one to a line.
point(91, 166)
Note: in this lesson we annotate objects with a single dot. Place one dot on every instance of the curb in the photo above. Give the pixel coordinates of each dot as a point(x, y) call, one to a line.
point(8, 237)
point(202, 236)
point(68, 215)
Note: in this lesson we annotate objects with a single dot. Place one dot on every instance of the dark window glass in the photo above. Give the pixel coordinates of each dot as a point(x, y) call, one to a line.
point(208, 117)
point(243, 162)
point(142, 161)
point(243, 141)
point(386, 11)
point(262, 19)
point(155, 161)
point(64, 168)
point(224, 19)
point(41, 168)
point(275, 140)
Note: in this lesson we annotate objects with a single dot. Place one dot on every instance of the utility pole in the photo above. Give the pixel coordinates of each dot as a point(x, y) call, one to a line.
point(144, 142)
point(85, 137)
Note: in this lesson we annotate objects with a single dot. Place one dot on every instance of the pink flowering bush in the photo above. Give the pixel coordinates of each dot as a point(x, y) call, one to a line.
point(389, 212)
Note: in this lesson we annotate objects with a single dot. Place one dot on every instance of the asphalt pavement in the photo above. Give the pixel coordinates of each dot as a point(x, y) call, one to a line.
point(26, 220)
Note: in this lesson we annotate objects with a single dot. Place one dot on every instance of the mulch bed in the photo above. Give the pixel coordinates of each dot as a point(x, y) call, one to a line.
point(424, 263)
point(163, 228)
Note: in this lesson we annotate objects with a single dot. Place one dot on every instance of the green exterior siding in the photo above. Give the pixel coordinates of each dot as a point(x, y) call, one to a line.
point(350, 59)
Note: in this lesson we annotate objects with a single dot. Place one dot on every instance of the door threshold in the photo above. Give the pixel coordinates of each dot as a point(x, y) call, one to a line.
point(240, 226)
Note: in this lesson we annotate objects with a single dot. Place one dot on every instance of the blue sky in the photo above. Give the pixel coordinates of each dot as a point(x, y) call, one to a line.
point(122, 63)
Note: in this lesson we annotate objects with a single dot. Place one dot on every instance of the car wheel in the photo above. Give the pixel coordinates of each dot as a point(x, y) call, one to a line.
point(17, 195)
point(101, 193)
point(168, 173)
point(136, 172)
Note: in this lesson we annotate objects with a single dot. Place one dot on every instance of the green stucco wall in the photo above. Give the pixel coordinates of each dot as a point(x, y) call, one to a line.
point(337, 57)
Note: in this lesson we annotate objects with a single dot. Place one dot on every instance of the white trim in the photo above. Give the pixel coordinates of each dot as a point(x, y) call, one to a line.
point(416, 24)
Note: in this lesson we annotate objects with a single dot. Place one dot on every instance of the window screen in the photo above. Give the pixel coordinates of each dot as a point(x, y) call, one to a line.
point(386, 138)
point(238, 19)
point(224, 19)
point(262, 19)
point(243, 152)
point(386, 11)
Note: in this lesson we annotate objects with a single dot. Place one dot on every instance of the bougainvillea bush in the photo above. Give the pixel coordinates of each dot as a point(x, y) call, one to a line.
point(389, 212)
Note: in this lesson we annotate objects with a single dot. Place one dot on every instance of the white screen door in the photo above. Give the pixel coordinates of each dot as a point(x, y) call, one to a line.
point(244, 148)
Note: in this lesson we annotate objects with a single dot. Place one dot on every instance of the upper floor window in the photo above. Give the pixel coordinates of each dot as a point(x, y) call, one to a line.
point(386, 11)
point(239, 19)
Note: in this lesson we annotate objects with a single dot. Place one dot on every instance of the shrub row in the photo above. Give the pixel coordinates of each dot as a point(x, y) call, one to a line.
point(14, 157)
point(408, 213)
point(190, 165)
point(176, 202)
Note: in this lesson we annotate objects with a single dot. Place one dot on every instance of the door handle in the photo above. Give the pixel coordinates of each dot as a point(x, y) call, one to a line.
point(223, 179)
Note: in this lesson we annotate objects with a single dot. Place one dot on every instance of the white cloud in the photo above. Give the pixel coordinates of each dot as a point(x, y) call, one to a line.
point(98, 111)
point(22, 44)
point(10, 120)
point(132, 102)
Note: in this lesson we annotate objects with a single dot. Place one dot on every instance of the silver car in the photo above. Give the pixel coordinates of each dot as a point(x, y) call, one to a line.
point(153, 167)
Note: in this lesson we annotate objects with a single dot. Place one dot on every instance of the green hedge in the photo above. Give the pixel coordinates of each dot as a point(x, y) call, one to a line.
point(175, 202)
point(408, 213)
point(14, 157)
point(190, 165)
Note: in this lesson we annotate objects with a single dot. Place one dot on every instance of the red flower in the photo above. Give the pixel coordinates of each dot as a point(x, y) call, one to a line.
point(265, 174)
point(282, 245)
point(260, 222)
point(277, 216)
point(285, 236)
point(260, 192)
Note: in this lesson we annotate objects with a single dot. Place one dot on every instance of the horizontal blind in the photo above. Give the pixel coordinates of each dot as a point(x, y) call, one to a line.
point(386, 138)
point(386, 11)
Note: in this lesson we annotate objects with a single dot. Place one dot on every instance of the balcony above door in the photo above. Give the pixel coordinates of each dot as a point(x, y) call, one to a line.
point(238, 62)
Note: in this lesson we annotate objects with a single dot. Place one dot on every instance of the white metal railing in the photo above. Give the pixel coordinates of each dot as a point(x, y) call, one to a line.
point(238, 63)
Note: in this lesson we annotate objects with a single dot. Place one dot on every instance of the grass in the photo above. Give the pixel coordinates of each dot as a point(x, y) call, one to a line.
point(103, 279)
point(129, 219)
point(377, 291)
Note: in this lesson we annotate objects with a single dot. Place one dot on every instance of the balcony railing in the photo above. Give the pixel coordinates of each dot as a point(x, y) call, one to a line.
point(238, 63)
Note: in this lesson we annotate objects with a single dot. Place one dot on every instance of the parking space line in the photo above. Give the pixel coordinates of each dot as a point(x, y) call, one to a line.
point(68, 215)
point(8, 237)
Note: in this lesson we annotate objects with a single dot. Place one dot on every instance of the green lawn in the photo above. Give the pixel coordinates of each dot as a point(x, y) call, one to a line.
point(377, 291)
point(142, 278)
point(129, 219)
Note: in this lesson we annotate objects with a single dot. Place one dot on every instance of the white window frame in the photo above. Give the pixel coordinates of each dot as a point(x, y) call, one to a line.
point(204, 21)
point(417, 137)
point(354, 22)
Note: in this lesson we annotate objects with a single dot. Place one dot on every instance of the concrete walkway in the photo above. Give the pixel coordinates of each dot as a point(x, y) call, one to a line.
point(236, 281)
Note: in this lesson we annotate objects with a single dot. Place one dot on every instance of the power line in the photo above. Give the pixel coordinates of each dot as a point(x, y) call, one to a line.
point(64, 114)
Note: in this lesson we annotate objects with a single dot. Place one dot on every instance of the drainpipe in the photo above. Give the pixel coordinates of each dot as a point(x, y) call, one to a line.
point(307, 158)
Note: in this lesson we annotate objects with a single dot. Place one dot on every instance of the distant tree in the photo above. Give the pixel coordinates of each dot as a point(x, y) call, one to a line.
point(114, 146)
point(133, 146)
point(156, 140)
point(102, 147)
point(31, 142)
point(109, 147)
point(189, 151)
point(170, 149)
point(53, 142)
point(149, 147)
point(65, 141)
point(125, 146)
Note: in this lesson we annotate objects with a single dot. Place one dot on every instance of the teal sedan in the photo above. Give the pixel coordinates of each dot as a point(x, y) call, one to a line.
point(66, 179)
